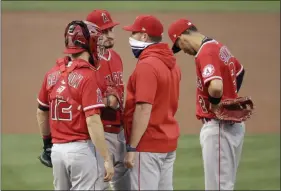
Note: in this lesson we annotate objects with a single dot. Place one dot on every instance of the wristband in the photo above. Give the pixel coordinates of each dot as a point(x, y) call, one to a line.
point(129, 148)
point(47, 141)
point(214, 100)
point(46, 136)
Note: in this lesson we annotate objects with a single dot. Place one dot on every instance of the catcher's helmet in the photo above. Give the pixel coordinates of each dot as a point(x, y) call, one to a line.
point(83, 36)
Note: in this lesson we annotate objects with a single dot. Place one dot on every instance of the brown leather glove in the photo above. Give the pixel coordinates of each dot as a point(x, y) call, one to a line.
point(235, 110)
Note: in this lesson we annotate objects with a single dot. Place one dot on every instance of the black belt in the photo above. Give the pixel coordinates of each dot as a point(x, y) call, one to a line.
point(205, 120)
point(112, 128)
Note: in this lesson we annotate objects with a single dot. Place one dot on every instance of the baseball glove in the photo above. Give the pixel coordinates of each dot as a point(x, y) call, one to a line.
point(112, 91)
point(235, 110)
point(45, 156)
point(110, 111)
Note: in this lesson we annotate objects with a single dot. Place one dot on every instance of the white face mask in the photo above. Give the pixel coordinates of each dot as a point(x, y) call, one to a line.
point(138, 46)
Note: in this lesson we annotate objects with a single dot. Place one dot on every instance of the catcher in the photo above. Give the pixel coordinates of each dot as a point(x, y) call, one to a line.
point(219, 79)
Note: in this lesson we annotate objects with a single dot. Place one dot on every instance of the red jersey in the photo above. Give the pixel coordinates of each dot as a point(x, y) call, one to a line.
point(214, 61)
point(110, 73)
point(70, 98)
point(155, 80)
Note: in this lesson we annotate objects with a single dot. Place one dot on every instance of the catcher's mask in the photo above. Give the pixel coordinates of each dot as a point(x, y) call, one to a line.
point(83, 36)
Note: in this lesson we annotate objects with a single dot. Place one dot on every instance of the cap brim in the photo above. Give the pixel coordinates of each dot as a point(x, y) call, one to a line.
point(130, 28)
point(109, 25)
point(73, 50)
point(175, 49)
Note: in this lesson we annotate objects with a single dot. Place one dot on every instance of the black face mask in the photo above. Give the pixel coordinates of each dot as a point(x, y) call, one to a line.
point(136, 52)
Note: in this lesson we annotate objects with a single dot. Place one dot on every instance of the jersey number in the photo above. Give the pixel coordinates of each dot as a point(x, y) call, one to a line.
point(61, 110)
point(202, 104)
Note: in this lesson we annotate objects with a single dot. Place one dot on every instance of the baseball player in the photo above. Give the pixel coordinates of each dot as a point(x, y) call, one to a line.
point(68, 114)
point(111, 78)
point(151, 129)
point(219, 78)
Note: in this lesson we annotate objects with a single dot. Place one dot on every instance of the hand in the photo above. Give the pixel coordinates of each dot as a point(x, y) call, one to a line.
point(129, 160)
point(213, 107)
point(111, 102)
point(45, 157)
point(109, 170)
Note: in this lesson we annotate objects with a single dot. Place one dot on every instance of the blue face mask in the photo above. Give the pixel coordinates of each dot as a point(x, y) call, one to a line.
point(138, 46)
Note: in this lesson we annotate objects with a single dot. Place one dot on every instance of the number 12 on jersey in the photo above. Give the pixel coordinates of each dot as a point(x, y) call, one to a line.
point(61, 110)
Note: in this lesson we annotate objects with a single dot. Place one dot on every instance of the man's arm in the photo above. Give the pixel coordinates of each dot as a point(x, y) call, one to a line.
point(44, 127)
point(215, 88)
point(43, 122)
point(140, 121)
point(96, 132)
point(215, 91)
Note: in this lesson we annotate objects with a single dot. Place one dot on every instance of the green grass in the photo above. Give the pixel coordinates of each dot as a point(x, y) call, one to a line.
point(142, 6)
point(259, 168)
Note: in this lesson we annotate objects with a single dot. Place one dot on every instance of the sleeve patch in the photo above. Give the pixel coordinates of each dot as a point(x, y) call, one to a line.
point(208, 71)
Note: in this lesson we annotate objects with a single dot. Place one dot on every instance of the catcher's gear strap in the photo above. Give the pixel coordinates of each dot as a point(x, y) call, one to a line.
point(65, 71)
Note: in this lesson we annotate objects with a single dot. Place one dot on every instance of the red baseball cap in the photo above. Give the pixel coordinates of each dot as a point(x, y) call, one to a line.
point(148, 24)
point(176, 29)
point(101, 18)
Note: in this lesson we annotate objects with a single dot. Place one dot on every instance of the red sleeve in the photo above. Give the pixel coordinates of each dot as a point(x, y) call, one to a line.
point(146, 83)
point(43, 98)
point(238, 67)
point(210, 67)
point(91, 96)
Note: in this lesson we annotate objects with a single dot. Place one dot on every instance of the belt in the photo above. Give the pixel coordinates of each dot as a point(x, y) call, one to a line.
point(116, 129)
point(81, 141)
point(205, 120)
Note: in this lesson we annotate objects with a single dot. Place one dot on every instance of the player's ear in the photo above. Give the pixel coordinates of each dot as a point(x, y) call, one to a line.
point(144, 37)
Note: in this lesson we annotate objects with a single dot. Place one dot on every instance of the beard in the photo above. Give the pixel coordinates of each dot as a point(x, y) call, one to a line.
point(108, 43)
point(109, 46)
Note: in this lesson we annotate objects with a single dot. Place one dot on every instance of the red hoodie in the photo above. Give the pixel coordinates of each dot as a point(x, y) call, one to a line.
point(155, 80)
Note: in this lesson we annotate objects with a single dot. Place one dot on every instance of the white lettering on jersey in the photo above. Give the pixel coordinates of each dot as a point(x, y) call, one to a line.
point(60, 89)
point(74, 79)
point(225, 54)
point(199, 84)
point(99, 96)
point(115, 77)
point(53, 78)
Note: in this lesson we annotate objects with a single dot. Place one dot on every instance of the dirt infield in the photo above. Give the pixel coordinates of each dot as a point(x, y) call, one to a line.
point(31, 42)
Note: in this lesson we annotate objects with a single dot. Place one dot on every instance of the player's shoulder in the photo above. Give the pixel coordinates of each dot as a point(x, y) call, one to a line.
point(83, 69)
point(208, 48)
point(52, 70)
point(148, 64)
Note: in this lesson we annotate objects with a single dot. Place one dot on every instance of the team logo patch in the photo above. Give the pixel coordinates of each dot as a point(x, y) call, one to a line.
point(104, 18)
point(208, 71)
